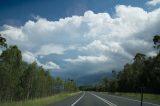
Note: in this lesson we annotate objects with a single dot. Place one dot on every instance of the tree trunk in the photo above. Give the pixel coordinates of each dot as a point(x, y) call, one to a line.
point(28, 95)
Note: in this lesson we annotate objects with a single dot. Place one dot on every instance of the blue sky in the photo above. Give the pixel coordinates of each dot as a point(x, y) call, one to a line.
point(81, 39)
point(19, 11)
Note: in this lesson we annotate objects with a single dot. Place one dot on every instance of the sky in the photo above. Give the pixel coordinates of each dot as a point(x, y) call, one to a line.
point(81, 39)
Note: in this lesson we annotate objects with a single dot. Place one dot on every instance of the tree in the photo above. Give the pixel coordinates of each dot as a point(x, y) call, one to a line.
point(139, 58)
point(11, 60)
point(3, 42)
point(156, 40)
point(20, 80)
point(114, 73)
point(12, 56)
point(27, 79)
point(70, 85)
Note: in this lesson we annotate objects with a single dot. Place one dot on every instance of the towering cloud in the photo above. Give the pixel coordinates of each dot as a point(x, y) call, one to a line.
point(89, 43)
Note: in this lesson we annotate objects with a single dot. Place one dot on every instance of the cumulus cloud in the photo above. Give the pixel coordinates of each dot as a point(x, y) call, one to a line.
point(109, 41)
point(50, 65)
point(14, 33)
point(30, 58)
point(152, 53)
point(92, 59)
point(95, 45)
point(50, 49)
point(153, 2)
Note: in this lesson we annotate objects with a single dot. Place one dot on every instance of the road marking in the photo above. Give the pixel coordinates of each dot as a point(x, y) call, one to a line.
point(135, 100)
point(104, 100)
point(78, 99)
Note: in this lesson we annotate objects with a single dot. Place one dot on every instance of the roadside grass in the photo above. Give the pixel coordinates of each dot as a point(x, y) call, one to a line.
point(41, 101)
point(146, 96)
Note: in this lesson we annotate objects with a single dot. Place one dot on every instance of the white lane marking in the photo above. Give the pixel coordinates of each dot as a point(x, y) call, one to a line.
point(78, 99)
point(135, 100)
point(104, 100)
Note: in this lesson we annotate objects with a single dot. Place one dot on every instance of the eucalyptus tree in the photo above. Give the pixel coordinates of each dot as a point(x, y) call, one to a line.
point(27, 79)
point(3, 41)
point(156, 40)
point(11, 71)
point(139, 58)
point(20, 80)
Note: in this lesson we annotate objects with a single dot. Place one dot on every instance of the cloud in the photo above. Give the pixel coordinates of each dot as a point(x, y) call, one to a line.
point(50, 49)
point(91, 59)
point(153, 2)
point(14, 33)
point(30, 58)
point(95, 41)
point(152, 53)
point(95, 45)
point(50, 65)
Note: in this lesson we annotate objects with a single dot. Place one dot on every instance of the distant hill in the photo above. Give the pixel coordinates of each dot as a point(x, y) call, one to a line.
point(87, 79)
point(93, 78)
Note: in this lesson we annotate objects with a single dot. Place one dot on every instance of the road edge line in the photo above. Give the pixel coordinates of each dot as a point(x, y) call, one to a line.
point(78, 99)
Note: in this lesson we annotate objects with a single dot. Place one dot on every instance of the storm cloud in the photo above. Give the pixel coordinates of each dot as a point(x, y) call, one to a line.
point(94, 42)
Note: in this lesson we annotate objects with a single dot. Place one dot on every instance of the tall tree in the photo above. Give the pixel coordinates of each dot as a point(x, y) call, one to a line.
point(28, 79)
point(139, 58)
point(156, 40)
point(20, 80)
point(11, 69)
point(3, 41)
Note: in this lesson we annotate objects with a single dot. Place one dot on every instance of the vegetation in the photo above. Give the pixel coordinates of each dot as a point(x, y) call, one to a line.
point(22, 81)
point(41, 101)
point(146, 96)
point(143, 73)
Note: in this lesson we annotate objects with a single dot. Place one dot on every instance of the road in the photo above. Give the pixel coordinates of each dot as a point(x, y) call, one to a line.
point(101, 99)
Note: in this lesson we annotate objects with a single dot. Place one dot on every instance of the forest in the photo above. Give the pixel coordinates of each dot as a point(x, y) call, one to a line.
point(143, 73)
point(22, 81)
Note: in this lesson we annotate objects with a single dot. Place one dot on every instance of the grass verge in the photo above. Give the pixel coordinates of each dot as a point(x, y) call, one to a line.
point(138, 95)
point(41, 101)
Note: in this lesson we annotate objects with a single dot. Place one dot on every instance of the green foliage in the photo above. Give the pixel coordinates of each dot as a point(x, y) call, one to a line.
point(11, 60)
point(143, 72)
point(156, 41)
point(70, 85)
point(21, 81)
point(41, 101)
point(3, 42)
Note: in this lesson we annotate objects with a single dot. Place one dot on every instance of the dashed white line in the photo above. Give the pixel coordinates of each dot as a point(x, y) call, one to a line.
point(104, 100)
point(134, 100)
point(78, 99)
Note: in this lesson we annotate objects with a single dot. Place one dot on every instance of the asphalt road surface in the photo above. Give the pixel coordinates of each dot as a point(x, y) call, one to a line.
point(101, 99)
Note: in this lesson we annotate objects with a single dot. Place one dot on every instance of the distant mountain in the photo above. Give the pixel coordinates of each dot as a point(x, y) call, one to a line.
point(93, 78)
point(87, 79)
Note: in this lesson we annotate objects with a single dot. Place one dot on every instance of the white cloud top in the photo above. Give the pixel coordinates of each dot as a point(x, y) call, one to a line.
point(153, 2)
point(92, 59)
point(50, 49)
point(30, 58)
point(92, 38)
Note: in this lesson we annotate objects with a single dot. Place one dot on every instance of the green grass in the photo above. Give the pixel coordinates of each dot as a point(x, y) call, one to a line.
point(41, 101)
point(138, 95)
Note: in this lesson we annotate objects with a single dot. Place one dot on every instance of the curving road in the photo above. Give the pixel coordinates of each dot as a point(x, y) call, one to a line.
point(101, 99)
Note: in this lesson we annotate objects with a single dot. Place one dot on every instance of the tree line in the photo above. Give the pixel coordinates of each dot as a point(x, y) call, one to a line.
point(144, 73)
point(20, 80)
